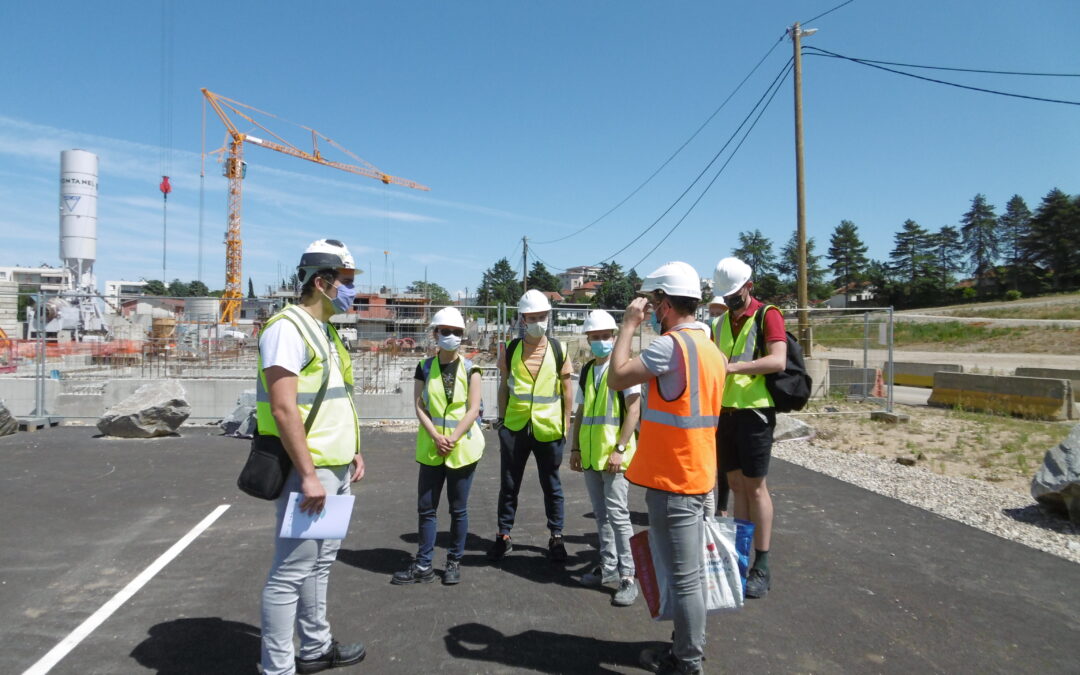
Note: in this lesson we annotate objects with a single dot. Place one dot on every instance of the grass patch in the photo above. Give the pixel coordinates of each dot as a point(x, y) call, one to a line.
point(945, 335)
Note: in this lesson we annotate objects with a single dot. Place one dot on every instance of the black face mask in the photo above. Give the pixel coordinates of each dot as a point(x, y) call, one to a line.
point(735, 301)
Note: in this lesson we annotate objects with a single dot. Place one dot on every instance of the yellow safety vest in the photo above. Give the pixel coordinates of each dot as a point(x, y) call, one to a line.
point(538, 401)
point(334, 436)
point(742, 391)
point(600, 423)
point(446, 416)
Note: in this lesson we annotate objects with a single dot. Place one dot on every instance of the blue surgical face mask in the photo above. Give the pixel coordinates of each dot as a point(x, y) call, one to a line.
point(654, 321)
point(601, 348)
point(346, 293)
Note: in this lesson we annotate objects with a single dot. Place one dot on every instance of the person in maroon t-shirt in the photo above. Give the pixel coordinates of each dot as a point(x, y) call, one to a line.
point(744, 435)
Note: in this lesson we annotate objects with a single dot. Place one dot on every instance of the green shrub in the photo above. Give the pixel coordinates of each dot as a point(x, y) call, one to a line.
point(1013, 294)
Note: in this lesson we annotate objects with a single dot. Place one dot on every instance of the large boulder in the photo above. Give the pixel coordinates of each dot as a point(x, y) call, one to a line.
point(241, 422)
point(8, 424)
point(790, 429)
point(155, 409)
point(1056, 485)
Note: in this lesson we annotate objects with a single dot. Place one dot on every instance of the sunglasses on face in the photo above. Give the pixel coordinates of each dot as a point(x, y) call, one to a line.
point(447, 332)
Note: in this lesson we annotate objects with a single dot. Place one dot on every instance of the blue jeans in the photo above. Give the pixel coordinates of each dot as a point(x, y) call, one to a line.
point(429, 490)
point(514, 450)
point(608, 492)
point(675, 541)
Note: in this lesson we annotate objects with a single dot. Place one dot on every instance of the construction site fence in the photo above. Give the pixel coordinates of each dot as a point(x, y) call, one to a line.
point(142, 339)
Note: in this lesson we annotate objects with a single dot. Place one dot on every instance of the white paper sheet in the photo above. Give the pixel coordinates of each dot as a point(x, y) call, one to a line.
point(330, 523)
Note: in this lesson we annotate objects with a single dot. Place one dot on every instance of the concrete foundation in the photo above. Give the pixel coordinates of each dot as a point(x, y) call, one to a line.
point(1033, 397)
point(818, 370)
point(846, 381)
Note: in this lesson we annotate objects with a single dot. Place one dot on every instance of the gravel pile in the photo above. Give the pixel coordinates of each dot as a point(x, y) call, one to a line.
point(990, 508)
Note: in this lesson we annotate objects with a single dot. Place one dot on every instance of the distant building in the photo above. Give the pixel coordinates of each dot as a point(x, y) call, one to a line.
point(585, 292)
point(114, 290)
point(574, 277)
point(45, 279)
point(855, 294)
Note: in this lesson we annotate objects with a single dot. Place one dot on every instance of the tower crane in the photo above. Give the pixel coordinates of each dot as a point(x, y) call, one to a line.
point(235, 168)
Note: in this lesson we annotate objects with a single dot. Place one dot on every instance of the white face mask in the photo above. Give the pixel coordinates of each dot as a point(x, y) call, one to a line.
point(536, 329)
point(448, 342)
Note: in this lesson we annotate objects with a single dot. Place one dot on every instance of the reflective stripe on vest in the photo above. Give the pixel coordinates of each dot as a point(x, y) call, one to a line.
point(600, 424)
point(677, 444)
point(333, 437)
point(537, 401)
point(742, 391)
point(446, 415)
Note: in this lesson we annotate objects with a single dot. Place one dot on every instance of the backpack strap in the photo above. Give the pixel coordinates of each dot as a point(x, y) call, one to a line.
point(510, 348)
point(560, 358)
point(425, 366)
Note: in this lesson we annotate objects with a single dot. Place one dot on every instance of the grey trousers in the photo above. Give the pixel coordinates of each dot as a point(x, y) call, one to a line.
point(675, 540)
point(608, 492)
point(295, 590)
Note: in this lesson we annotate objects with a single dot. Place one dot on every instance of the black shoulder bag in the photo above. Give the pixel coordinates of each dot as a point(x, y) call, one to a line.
point(268, 463)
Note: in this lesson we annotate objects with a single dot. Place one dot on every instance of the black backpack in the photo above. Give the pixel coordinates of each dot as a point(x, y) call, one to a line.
point(790, 387)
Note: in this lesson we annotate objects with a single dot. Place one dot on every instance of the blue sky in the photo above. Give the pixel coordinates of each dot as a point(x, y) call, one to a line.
point(524, 119)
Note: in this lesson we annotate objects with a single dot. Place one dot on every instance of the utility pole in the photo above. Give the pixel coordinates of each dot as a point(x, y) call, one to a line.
point(796, 33)
point(524, 264)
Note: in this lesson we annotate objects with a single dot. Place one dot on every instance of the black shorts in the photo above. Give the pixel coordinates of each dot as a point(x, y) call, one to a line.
point(744, 441)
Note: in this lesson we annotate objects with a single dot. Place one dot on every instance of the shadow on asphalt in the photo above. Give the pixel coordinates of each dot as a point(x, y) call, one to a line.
point(543, 651)
point(200, 646)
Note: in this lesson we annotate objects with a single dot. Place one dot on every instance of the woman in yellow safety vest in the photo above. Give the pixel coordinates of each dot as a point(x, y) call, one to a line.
point(604, 444)
point(448, 446)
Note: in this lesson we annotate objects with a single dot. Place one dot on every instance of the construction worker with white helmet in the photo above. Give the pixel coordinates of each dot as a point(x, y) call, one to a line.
point(604, 443)
point(449, 445)
point(745, 433)
point(304, 404)
point(535, 402)
point(676, 456)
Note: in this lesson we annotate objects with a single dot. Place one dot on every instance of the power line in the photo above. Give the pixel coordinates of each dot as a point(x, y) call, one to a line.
point(936, 81)
point(842, 4)
point(955, 69)
point(719, 171)
point(779, 76)
point(674, 154)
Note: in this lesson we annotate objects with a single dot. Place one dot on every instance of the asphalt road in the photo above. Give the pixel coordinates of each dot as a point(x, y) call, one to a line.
point(862, 583)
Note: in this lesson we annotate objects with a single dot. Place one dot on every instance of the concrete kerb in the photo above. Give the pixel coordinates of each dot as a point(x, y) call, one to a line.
point(1033, 397)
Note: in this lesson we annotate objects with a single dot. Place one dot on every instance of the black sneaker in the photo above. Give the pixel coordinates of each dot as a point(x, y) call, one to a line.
point(556, 550)
point(338, 656)
point(665, 662)
point(452, 575)
point(757, 583)
point(413, 574)
point(501, 547)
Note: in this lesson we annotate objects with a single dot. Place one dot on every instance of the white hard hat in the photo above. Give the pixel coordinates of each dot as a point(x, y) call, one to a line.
point(598, 319)
point(533, 301)
point(674, 278)
point(448, 316)
point(731, 274)
point(324, 254)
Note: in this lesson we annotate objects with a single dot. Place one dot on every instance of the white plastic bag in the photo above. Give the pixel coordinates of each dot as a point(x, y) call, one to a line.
point(721, 582)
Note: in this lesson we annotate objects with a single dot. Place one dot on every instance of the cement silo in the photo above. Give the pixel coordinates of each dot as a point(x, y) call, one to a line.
point(78, 216)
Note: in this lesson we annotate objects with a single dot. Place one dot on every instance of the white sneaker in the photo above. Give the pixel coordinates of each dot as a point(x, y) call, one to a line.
point(627, 593)
point(598, 576)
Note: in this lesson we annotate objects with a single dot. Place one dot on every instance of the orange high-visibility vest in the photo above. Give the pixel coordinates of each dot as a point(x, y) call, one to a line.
point(677, 444)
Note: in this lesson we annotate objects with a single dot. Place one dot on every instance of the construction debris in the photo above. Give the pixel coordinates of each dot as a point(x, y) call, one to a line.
point(155, 409)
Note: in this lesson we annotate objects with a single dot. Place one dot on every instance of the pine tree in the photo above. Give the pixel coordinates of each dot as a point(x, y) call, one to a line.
point(198, 289)
point(848, 254)
point(499, 284)
point(633, 279)
point(979, 229)
point(1015, 228)
point(1052, 241)
point(251, 288)
point(755, 249)
point(541, 279)
point(947, 251)
point(788, 267)
point(911, 256)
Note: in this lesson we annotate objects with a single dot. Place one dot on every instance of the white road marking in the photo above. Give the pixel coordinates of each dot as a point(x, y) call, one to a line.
point(54, 656)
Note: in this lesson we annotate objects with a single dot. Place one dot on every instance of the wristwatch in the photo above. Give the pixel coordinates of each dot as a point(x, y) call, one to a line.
point(620, 448)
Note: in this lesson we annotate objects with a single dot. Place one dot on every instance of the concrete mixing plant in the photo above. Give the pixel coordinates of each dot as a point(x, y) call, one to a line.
point(78, 308)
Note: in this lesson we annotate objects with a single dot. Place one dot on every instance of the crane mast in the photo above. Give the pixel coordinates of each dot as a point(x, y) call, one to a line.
point(234, 170)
